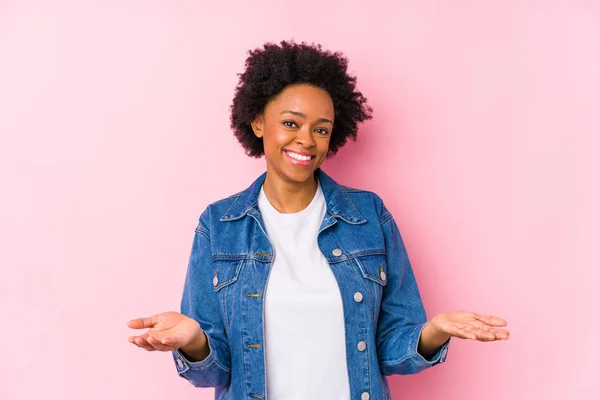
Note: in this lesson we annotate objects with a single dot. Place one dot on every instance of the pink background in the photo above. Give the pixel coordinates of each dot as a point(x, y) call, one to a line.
point(115, 136)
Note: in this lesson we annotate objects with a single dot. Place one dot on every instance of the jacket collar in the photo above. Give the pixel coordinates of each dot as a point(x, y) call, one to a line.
point(338, 203)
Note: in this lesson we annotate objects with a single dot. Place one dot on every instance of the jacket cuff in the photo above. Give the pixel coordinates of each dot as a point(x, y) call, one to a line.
point(438, 358)
point(183, 364)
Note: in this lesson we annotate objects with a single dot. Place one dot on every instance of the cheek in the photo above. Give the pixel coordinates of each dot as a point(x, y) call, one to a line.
point(277, 138)
point(273, 140)
point(324, 145)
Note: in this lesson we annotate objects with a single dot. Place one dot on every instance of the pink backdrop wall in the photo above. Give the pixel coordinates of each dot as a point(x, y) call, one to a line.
point(115, 135)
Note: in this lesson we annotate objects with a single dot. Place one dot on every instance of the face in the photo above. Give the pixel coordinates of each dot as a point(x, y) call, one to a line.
point(296, 128)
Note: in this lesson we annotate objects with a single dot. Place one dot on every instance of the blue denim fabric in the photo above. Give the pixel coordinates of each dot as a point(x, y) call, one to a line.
point(227, 276)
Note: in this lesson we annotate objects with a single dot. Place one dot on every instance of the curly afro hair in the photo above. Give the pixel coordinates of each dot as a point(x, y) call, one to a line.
point(270, 69)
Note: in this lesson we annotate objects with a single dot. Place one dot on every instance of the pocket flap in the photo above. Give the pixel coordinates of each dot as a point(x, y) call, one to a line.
point(373, 267)
point(225, 273)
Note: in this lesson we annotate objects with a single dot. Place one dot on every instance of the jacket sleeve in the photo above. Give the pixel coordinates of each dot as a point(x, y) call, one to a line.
point(200, 303)
point(402, 316)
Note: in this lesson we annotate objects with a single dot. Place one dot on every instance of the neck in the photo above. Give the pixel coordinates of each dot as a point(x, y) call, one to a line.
point(289, 197)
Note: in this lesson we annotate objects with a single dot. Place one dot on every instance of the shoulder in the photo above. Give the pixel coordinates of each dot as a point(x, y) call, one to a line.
point(367, 202)
point(225, 203)
point(213, 212)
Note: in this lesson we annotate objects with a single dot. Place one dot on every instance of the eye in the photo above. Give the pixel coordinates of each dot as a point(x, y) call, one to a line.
point(322, 131)
point(290, 124)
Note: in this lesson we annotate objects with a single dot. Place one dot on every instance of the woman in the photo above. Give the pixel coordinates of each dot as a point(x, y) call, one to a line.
point(298, 287)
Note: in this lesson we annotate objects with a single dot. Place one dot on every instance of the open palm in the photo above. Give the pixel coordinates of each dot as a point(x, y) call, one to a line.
point(167, 331)
point(469, 325)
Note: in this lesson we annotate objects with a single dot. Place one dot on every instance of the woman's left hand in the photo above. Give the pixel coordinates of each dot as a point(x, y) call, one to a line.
point(468, 325)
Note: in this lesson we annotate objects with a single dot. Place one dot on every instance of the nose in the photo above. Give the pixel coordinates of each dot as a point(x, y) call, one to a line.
point(305, 137)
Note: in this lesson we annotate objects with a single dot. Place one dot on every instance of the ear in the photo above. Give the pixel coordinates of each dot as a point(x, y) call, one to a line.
point(258, 125)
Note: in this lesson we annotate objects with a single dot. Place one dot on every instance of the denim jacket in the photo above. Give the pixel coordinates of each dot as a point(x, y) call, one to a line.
point(227, 275)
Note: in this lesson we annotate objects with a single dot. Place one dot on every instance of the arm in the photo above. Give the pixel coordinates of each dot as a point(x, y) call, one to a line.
point(431, 341)
point(405, 342)
point(197, 350)
point(206, 361)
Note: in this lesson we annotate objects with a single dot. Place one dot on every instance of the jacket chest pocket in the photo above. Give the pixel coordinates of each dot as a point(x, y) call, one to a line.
point(374, 272)
point(225, 276)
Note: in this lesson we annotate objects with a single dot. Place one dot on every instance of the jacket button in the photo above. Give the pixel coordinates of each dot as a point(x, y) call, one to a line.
point(361, 346)
point(358, 297)
point(336, 252)
point(365, 396)
point(179, 362)
point(382, 275)
point(215, 281)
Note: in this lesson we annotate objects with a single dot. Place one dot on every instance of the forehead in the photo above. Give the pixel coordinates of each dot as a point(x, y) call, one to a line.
point(305, 98)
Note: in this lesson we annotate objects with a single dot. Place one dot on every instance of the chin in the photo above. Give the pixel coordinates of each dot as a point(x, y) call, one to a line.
point(299, 176)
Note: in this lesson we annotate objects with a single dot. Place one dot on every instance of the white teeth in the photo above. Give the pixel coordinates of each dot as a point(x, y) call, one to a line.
point(298, 156)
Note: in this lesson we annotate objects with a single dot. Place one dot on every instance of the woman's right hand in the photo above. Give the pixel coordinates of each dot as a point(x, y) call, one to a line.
point(168, 331)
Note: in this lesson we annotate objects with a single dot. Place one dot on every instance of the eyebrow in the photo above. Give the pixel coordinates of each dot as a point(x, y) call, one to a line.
point(301, 115)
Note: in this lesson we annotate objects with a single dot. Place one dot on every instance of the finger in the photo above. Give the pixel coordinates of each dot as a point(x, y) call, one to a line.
point(169, 339)
point(141, 342)
point(490, 320)
point(477, 331)
point(463, 333)
point(133, 339)
point(484, 335)
point(501, 334)
point(459, 330)
point(158, 344)
point(141, 323)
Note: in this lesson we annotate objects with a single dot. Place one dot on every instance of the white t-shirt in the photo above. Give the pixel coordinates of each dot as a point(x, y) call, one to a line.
point(305, 345)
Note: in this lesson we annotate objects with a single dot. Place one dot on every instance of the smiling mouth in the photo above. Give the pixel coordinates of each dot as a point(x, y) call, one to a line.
point(298, 157)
